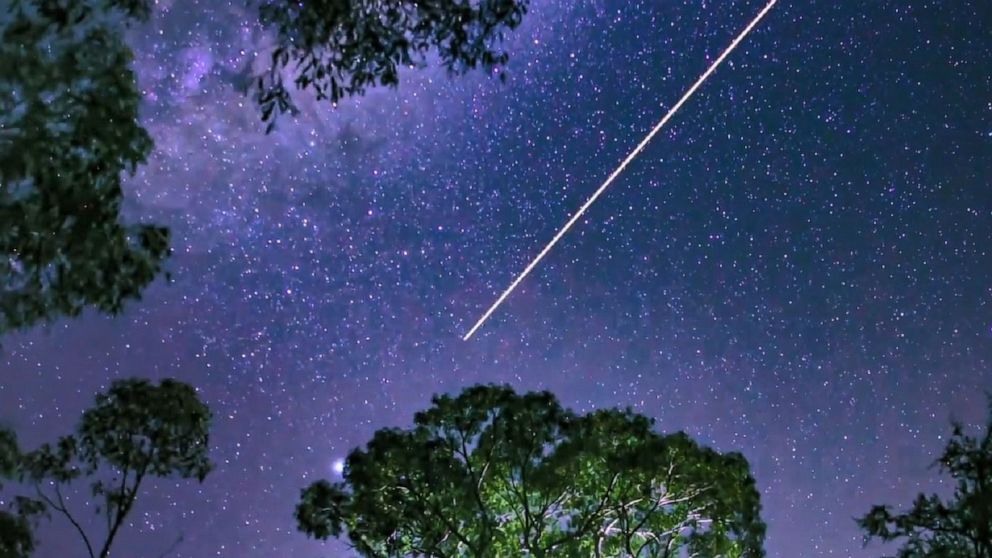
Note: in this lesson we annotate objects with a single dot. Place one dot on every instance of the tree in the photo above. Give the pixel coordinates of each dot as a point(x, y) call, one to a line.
point(134, 431)
point(16, 536)
point(934, 528)
point(68, 128)
point(339, 48)
point(491, 473)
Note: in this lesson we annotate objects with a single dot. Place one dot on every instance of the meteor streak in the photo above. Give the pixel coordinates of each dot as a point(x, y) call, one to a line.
point(623, 165)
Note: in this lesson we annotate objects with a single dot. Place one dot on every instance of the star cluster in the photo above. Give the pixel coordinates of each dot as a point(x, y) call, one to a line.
point(798, 268)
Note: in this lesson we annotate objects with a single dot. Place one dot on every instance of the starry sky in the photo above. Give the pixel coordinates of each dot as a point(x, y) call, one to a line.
point(797, 268)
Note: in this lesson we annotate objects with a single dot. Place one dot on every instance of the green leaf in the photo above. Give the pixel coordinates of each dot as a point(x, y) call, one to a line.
point(492, 473)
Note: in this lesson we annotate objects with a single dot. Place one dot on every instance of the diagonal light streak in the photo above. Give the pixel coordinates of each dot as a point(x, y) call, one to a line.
point(623, 165)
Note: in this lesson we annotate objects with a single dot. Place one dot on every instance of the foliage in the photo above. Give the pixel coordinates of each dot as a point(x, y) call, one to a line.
point(9, 454)
point(135, 430)
point(958, 528)
point(68, 128)
point(339, 48)
point(491, 473)
point(16, 536)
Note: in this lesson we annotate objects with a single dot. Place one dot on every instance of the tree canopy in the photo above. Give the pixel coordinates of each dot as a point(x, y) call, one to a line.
point(134, 431)
point(340, 48)
point(68, 129)
point(491, 473)
point(960, 527)
point(16, 537)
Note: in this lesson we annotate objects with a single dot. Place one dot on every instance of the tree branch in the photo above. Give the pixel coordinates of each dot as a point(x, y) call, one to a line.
point(476, 484)
point(61, 508)
point(127, 500)
point(175, 544)
point(431, 508)
point(590, 519)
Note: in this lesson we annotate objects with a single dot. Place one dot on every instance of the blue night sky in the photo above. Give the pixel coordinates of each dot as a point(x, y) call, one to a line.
point(798, 267)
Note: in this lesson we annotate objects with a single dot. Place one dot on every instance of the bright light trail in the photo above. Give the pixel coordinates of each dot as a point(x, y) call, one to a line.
point(623, 165)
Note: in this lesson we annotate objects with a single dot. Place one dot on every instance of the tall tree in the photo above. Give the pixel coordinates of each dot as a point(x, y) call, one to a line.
point(960, 527)
point(136, 430)
point(68, 129)
point(491, 473)
point(340, 48)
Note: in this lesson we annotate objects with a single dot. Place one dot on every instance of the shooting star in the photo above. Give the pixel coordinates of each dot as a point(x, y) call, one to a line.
point(623, 165)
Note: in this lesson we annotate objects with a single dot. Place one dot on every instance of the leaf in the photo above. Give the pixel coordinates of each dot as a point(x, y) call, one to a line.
point(345, 46)
point(64, 243)
point(493, 473)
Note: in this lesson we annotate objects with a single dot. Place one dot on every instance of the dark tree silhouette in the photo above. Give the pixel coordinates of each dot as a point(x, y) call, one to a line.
point(134, 431)
point(958, 528)
point(16, 537)
point(491, 473)
point(68, 128)
point(340, 48)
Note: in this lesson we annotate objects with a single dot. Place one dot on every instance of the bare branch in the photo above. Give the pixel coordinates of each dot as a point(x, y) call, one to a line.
point(175, 544)
point(61, 508)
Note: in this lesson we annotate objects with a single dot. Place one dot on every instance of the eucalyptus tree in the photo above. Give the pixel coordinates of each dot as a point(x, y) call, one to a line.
point(491, 473)
point(135, 431)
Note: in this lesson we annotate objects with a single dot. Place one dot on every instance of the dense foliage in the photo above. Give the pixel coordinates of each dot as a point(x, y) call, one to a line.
point(16, 537)
point(68, 129)
point(491, 473)
point(960, 527)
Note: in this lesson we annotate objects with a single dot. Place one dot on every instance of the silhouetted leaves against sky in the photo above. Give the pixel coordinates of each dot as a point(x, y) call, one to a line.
point(796, 270)
point(340, 48)
point(68, 129)
point(960, 527)
point(135, 430)
point(16, 538)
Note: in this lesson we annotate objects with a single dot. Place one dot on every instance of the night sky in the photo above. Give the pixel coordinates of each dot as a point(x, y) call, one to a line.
point(798, 268)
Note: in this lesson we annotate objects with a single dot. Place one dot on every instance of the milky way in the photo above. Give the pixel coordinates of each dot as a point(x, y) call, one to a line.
point(799, 271)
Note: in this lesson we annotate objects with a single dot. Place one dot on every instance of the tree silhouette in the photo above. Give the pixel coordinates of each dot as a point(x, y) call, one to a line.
point(958, 528)
point(16, 537)
point(135, 430)
point(340, 48)
point(490, 473)
point(68, 128)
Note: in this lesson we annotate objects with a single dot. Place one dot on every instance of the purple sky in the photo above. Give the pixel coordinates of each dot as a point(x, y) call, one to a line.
point(797, 269)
